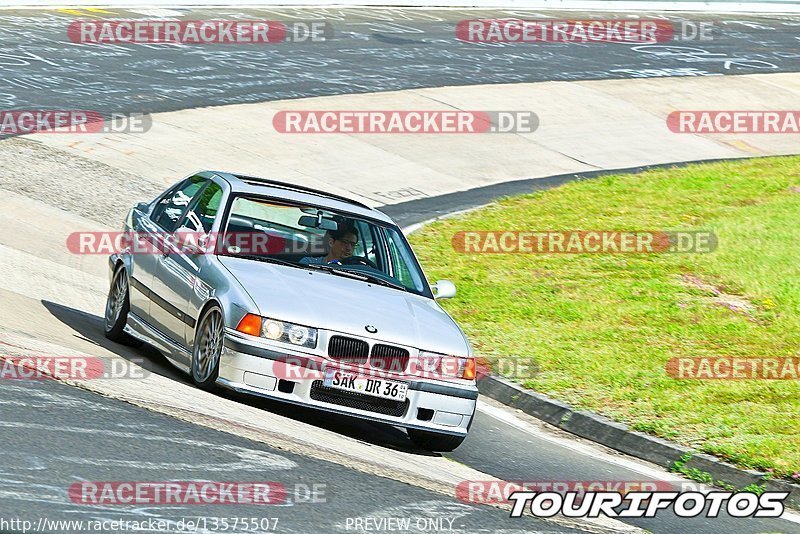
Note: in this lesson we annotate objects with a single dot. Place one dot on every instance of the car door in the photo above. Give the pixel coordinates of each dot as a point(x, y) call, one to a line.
point(178, 273)
point(149, 240)
point(157, 229)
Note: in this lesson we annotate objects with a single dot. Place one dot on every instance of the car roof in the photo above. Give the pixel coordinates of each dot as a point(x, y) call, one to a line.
point(241, 183)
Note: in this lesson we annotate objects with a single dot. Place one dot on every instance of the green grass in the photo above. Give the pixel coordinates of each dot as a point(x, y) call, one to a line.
point(602, 327)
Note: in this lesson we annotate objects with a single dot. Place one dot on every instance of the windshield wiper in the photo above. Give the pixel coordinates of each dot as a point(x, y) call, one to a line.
point(382, 281)
point(266, 259)
point(359, 275)
point(340, 272)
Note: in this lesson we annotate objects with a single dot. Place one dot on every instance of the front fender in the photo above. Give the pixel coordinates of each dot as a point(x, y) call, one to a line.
point(114, 260)
point(217, 285)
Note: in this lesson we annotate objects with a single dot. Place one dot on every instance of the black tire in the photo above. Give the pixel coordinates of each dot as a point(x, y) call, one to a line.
point(434, 441)
point(207, 348)
point(118, 305)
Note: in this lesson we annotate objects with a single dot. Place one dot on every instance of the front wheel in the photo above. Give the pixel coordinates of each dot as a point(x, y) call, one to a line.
point(207, 348)
point(434, 441)
point(117, 307)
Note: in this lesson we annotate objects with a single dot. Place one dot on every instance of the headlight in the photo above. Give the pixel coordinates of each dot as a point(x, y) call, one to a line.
point(444, 366)
point(272, 329)
point(299, 335)
point(294, 334)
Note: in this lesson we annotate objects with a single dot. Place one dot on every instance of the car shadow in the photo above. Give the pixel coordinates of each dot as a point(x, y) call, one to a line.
point(89, 327)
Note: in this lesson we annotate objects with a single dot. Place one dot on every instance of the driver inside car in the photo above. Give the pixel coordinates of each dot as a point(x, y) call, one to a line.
point(341, 244)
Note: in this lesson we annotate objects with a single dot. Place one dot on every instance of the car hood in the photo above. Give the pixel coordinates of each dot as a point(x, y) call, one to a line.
point(331, 302)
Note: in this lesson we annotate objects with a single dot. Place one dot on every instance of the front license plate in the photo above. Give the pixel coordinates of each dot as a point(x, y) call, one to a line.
point(376, 387)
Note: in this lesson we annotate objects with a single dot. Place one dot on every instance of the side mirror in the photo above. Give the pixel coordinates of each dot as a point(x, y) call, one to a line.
point(443, 289)
point(189, 241)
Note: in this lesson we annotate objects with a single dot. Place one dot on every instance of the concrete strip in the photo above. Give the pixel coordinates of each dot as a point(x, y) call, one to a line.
point(41, 231)
point(584, 126)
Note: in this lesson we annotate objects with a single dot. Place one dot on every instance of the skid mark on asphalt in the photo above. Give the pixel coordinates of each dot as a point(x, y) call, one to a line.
point(35, 481)
point(375, 47)
point(245, 459)
point(163, 395)
point(22, 473)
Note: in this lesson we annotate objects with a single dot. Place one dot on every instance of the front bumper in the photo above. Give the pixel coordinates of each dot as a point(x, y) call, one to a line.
point(289, 376)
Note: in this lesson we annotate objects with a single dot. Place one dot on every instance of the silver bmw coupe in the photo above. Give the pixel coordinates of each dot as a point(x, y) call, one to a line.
point(294, 294)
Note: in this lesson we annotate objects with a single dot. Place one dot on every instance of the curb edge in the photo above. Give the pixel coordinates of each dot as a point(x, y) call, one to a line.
point(620, 437)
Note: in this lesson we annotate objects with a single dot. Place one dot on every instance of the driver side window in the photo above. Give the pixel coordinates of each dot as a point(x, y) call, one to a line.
point(170, 209)
point(401, 258)
point(201, 215)
point(366, 243)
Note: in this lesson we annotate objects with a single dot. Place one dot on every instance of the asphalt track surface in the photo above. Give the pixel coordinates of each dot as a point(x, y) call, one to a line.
point(89, 438)
point(369, 50)
point(54, 435)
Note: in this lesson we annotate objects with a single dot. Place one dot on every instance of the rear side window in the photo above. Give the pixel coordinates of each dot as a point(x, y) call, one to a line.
point(172, 206)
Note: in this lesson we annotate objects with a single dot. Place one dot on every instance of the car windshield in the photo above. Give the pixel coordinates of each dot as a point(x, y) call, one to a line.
point(317, 238)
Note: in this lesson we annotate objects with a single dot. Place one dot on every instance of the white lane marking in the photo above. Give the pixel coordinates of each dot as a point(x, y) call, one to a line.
point(24, 491)
point(30, 491)
point(505, 415)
